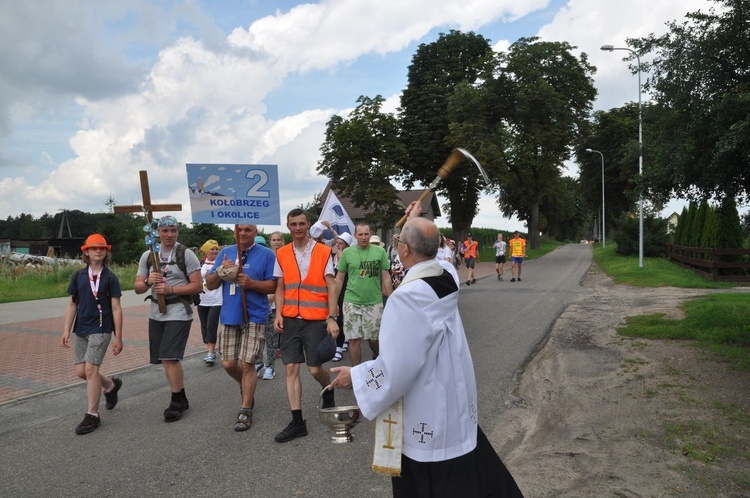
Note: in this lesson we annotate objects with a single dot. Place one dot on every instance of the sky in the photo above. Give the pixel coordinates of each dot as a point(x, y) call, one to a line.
point(93, 91)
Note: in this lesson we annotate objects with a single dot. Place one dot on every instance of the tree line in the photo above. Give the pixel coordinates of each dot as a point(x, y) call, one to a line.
point(123, 231)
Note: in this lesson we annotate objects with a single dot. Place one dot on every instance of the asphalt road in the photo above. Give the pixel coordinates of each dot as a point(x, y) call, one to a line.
point(135, 453)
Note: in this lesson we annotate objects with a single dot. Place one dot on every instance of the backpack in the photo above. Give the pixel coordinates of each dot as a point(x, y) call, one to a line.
point(180, 249)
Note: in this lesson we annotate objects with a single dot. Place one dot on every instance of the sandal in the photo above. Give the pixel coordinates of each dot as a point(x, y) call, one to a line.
point(244, 419)
point(336, 357)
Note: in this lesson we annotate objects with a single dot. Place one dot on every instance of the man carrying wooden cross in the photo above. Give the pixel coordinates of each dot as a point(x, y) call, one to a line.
point(168, 332)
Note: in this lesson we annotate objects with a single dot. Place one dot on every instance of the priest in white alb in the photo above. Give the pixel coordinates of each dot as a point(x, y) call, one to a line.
point(421, 389)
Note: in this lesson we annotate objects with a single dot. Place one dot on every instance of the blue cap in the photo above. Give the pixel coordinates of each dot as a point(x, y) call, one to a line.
point(326, 349)
point(259, 239)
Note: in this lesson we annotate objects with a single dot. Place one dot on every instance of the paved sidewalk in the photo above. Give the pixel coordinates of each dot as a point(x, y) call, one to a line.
point(32, 361)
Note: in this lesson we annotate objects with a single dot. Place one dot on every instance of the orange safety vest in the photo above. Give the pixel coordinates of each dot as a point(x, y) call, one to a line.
point(308, 298)
point(471, 249)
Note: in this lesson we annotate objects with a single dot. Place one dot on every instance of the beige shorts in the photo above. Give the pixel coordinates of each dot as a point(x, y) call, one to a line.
point(244, 342)
point(362, 321)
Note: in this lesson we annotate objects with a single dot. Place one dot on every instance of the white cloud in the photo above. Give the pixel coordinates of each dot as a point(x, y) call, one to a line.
point(589, 24)
point(203, 98)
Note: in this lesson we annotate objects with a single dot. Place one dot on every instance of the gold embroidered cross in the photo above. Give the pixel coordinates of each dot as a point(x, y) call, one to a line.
point(389, 440)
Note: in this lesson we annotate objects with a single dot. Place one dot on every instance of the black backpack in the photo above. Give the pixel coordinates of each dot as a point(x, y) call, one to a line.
point(180, 249)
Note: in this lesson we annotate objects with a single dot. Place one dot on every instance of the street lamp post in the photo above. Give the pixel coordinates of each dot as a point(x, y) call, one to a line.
point(604, 242)
point(610, 48)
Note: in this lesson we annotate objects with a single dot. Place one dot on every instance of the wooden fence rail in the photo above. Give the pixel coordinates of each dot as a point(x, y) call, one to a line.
point(724, 265)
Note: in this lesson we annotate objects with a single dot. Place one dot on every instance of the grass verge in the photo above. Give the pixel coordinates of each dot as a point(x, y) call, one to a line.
point(22, 283)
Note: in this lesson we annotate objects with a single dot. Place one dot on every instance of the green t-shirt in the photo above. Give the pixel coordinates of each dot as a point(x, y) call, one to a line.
point(364, 267)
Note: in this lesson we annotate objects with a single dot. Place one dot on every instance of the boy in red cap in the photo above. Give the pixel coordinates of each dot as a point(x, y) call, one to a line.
point(94, 314)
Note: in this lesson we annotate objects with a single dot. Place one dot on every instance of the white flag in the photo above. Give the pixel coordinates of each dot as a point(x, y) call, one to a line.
point(333, 212)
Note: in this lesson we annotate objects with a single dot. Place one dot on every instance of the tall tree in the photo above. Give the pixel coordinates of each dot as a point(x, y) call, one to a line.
point(435, 72)
point(531, 106)
point(361, 155)
point(700, 82)
point(613, 133)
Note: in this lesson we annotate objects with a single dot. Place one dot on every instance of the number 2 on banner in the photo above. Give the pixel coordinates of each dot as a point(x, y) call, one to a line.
point(255, 190)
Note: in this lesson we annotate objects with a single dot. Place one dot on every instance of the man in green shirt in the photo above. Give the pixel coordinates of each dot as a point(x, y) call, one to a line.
point(369, 282)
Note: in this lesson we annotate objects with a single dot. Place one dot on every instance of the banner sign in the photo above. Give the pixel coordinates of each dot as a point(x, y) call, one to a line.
point(245, 194)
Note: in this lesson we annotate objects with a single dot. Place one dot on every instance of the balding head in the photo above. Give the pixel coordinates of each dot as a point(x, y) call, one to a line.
point(422, 239)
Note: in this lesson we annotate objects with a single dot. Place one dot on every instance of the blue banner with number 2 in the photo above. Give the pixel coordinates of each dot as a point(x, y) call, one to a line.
point(245, 194)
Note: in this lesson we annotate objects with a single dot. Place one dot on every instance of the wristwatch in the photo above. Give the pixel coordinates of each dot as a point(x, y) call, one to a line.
point(333, 317)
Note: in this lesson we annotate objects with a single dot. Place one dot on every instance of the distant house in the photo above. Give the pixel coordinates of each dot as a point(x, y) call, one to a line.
point(430, 208)
point(672, 221)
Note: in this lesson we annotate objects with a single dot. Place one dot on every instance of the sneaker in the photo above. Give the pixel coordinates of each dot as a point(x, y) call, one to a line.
point(292, 431)
point(111, 396)
point(345, 347)
point(269, 373)
point(259, 366)
point(244, 419)
point(473, 280)
point(174, 412)
point(499, 278)
point(278, 353)
point(210, 359)
point(328, 400)
point(88, 424)
point(512, 279)
point(519, 279)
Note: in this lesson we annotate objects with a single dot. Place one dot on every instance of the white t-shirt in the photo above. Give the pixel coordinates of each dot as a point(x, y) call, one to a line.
point(499, 247)
point(209, 297)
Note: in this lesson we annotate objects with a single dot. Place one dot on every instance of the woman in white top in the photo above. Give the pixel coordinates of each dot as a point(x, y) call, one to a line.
point(209, 308)
point(445, 253)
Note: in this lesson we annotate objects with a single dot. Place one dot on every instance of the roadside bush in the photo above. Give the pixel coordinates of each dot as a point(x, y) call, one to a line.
point(654, 235)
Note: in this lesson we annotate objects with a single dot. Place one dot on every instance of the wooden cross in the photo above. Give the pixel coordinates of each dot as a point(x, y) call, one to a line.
point(149, 208)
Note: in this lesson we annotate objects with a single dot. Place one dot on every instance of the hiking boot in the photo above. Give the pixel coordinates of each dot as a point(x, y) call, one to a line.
point(244, 419)
point(292, 431)
point(111, 396)
point(269, 373)
point(88, 424)
point(174, 412)
point(328, 400)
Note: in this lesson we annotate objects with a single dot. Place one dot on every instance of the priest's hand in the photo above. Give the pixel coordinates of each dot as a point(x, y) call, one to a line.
point(343, 378)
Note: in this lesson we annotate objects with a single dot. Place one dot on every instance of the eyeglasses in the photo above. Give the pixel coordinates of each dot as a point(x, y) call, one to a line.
point(399, 241)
